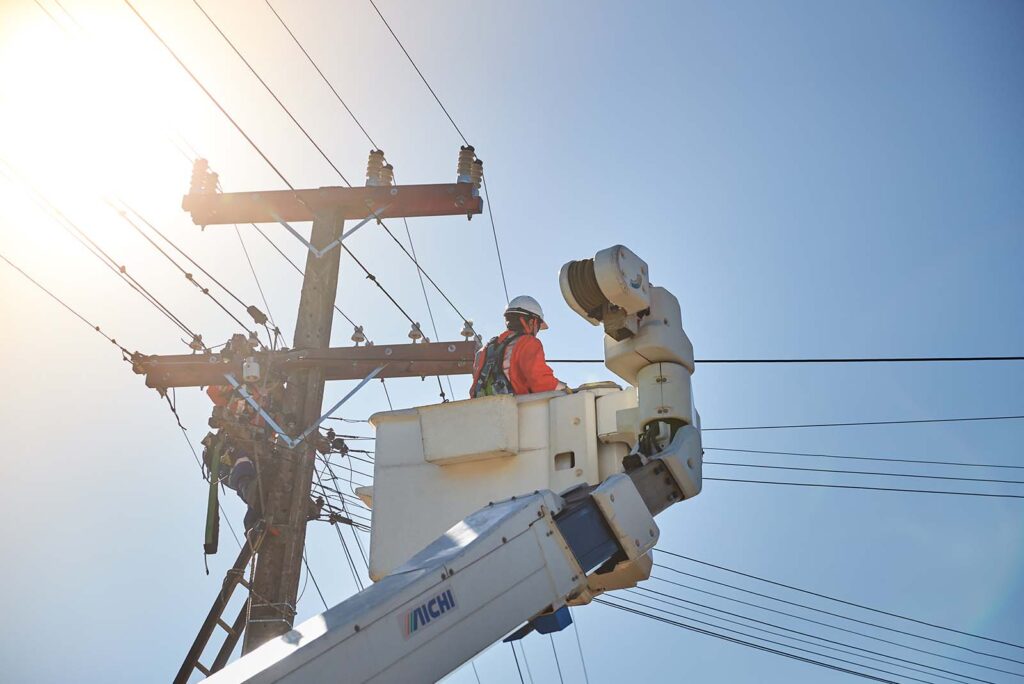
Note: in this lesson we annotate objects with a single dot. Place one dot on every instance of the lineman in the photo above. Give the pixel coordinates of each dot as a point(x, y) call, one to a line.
point(513, 362)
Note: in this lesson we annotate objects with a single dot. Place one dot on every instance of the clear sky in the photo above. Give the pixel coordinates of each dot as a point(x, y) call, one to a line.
point(811, 179)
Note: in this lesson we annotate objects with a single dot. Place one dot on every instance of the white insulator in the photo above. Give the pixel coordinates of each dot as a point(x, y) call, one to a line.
point(467, 329)
point(415, 333)
point(357, 335)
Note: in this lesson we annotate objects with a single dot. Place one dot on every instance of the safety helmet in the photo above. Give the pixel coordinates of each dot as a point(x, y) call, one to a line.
point(524, 304)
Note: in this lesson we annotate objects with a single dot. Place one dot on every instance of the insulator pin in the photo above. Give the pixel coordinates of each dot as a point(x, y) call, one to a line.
point(374, 166)
point(204, 181)
point(358, 336)
point(465, 167)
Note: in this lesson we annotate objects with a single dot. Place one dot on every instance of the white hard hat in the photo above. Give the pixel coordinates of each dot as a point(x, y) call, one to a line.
point(525, 304)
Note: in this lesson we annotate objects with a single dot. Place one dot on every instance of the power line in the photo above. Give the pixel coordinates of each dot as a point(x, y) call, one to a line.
point(886, 359)
point(558, 665)
point(199, 83)
point(322, 75)
point(423, 78)
point(60, 301)
point(794, 631)
point(270, 90)
point(518, 669)
point(358, 123)
point(259, 286)
point(188, 276)
point(741, 642)
point(121, 271)
point(862, 472)
point(665, 611)
point(876, 489)
point(873, 422)
point(866, 458)
point(323, 154)
point(298, 269)
point(845, 602)
point(579, 647)
point(810, 620)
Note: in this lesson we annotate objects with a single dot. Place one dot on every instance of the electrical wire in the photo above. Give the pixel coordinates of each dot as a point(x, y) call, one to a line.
point(270, 90)
point(874, 422)
point(866, 488)
point(715, 615)
point(309, 573)
point(298, 270)
point(558, 665)
point(884, 359)
point(866, 458)
point(100, 254)
point(423, 78)
point(60, 301)
point(188, 276)
point(518, 669)
point(807, 619)
point(214, 100)
point(741, 642)
point(845, 602)
point(322, 75)
point(862, 472)
point(778, 643)
point(255, 277)
point(341, 175)
point(579, 647)
point(362, 128)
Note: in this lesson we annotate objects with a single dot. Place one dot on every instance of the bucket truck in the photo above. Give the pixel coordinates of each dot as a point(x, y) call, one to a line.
point(495, 513)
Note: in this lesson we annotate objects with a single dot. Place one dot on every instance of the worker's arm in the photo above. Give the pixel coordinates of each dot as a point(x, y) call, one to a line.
point(538, 374)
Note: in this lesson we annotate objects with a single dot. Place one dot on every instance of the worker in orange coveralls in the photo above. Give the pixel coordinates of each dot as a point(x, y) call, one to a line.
point(513, 362)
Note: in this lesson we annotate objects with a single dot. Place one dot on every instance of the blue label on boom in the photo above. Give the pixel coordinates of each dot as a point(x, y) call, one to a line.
point(427, 612)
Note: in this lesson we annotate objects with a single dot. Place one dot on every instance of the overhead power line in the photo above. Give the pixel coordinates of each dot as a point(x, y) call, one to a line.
point(866, 488)
point(870, 422)
point(807, 619)
point(845, 602)
point(886, 359)
point(67, 306)
point(866, 458)
point(863, 472)
point(760, 647)
point(855, 663)
point(487, 197)
point(213, 99)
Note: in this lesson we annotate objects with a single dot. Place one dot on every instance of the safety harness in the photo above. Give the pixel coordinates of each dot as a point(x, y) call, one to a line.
point(493, 379)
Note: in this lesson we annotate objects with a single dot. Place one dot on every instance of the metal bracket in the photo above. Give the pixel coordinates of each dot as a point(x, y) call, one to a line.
point(290, 442)
point(318, 253)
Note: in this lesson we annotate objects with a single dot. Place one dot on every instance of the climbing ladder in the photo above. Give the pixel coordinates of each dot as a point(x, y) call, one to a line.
point(234, 577)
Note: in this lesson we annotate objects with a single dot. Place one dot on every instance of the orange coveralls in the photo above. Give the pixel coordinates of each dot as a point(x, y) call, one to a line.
point(524, 365)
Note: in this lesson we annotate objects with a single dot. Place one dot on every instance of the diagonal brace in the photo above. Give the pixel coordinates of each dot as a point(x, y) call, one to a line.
point(318, 253)
point(290, 442)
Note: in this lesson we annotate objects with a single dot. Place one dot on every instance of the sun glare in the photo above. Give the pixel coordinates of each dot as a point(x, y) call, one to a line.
point(86, 111)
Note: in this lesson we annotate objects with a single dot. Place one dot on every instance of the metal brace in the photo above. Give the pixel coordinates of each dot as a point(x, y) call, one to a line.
point(290, 442)
point(318, 253)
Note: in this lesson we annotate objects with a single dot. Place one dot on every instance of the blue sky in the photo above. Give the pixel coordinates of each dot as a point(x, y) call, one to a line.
point(810, 179)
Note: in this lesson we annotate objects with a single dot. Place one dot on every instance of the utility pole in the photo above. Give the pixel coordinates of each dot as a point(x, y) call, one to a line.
point(276, 582)
point(286, 475)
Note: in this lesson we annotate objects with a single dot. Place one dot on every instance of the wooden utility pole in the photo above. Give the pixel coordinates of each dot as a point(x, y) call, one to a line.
point(287, 482)
point(286, 476)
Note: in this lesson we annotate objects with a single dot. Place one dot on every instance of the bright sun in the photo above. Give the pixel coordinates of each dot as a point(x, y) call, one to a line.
point(85, 103)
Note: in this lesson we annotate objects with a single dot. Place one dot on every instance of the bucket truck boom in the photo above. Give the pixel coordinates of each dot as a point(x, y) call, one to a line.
point(524, 558)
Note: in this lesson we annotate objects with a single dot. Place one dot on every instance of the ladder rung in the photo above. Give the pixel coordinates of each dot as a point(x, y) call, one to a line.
point(202, 668)
point(226, 627)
